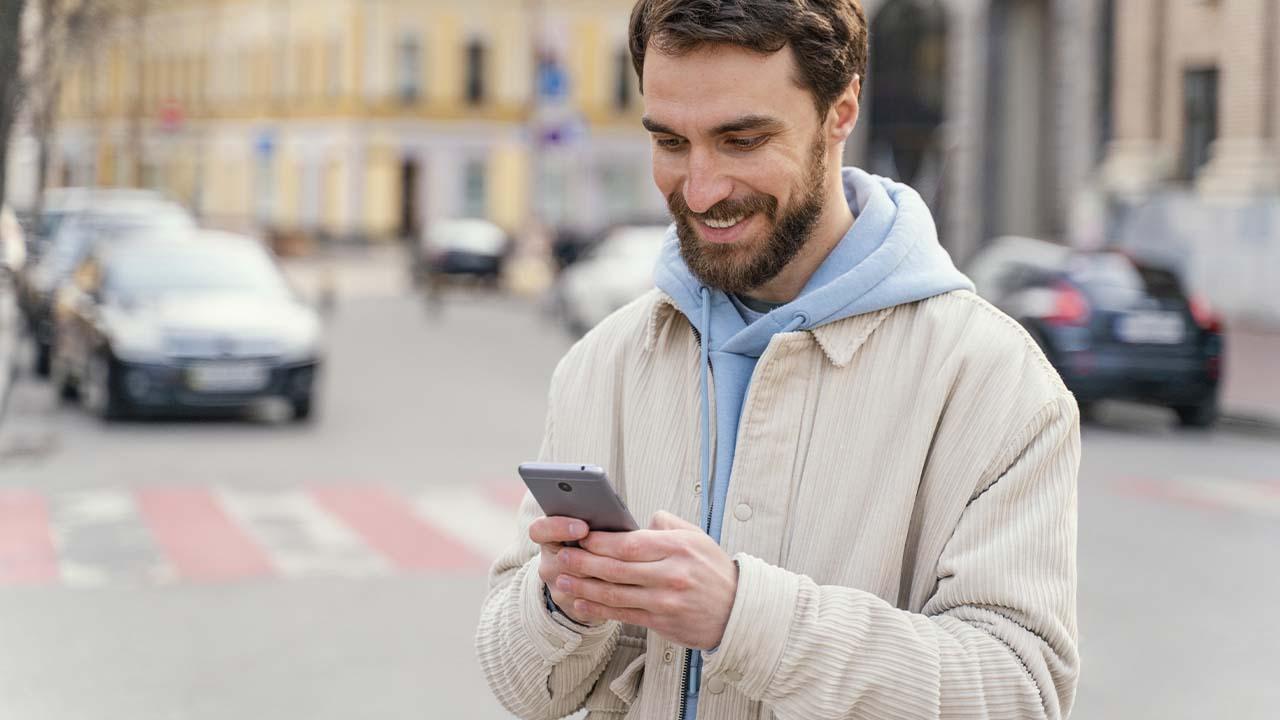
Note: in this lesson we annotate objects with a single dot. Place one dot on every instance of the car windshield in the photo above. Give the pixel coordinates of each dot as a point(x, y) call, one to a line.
point(1116, 281)
point(151, 268)
point(78, 233)
point(469, 236)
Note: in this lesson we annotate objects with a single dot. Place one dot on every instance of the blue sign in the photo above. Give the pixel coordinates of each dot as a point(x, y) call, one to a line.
point(553, 81)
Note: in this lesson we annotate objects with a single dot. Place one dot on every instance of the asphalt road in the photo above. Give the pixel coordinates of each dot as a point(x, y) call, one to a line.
point(350, 552)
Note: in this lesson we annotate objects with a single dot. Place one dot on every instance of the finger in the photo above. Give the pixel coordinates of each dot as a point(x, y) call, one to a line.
point(586, 564)
point(634, 546)
point(663, 520)
point(595, 612)
point(604, 593)
point(557, 530)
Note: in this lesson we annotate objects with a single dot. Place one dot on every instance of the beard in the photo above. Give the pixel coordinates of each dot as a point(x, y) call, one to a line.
point(745, 265)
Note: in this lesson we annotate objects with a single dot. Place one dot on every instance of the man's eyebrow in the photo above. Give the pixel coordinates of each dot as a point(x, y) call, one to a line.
point(654, 126)
point(741, 124)
point(748, 122)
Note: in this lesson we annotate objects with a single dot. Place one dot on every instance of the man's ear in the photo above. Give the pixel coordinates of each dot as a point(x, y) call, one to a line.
point(843, 114)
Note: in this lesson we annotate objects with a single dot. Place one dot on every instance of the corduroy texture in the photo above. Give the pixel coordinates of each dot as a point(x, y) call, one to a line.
point(902, 510)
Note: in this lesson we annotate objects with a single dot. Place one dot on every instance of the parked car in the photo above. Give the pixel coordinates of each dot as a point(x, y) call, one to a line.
point(153, 325)
point(102, 218)
point(617, 271)
point(13, 243)
point(461, 248)
point(1112, 327)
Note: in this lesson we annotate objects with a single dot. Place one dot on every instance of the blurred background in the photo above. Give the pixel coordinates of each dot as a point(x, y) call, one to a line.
point(282, 284)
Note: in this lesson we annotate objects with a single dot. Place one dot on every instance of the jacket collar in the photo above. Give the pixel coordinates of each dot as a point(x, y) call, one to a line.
point(839, 340)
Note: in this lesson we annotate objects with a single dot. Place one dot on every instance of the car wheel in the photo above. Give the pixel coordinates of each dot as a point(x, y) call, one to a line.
point(1198, 416)
point(43, 357)
point(302, 409)
point(98, 393)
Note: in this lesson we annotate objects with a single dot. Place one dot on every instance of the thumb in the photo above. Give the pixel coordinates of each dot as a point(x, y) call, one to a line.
point(663, 520)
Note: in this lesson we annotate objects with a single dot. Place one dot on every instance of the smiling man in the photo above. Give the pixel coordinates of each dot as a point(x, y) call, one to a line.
point(861, 477)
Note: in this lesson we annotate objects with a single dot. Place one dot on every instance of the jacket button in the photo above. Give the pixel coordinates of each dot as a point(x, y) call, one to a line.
point(668, 656)
point(715, 686)
point(742, 512)
point(697, 488)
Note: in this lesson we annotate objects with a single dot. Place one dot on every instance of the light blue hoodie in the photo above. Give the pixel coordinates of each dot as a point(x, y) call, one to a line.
point(889, 256)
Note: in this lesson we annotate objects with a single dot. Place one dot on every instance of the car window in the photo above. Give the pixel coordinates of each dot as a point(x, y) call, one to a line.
point(1115, 281)
point(166, 268)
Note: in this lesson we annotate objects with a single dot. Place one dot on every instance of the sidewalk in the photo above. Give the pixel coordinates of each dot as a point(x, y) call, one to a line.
point(1251, 377)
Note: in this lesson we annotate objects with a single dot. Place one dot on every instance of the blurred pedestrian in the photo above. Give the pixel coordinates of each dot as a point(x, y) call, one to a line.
point(861, 477)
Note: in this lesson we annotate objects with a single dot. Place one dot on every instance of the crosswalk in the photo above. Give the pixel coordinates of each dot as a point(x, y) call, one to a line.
point(158, 536)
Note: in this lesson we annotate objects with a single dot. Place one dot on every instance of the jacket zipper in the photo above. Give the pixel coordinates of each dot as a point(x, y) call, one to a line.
point(706, 527)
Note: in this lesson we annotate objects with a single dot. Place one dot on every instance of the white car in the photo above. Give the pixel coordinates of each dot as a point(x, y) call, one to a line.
point(617, 271)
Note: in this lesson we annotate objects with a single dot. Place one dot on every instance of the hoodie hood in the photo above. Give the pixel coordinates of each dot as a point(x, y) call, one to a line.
point(889, 256)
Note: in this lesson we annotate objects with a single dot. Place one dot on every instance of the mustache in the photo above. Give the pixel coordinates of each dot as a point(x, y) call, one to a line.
point(726, 209)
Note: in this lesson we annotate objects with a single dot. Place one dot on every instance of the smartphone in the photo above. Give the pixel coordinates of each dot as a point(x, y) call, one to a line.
point(577, 491)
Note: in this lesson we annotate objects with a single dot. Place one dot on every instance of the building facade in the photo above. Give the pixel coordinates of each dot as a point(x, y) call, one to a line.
point(364, 118)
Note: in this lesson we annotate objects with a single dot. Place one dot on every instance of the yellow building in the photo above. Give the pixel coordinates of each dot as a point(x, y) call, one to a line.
point(363, 118)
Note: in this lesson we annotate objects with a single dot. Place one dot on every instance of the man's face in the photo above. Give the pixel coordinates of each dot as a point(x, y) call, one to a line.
point(740, 155)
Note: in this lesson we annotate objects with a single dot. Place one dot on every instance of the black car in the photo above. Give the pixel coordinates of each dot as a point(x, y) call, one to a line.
point(1112, 327)
point(105, 221)
point(206, 323)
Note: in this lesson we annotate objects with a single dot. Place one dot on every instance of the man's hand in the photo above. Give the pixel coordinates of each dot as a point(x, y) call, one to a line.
point(672, 578)
point(551, 533)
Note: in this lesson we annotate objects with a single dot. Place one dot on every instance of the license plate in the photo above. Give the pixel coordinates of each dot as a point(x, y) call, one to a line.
point(227, 377)
point(1152, 328)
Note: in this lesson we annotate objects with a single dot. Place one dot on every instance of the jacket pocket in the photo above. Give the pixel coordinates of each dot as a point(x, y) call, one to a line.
point(619, 684)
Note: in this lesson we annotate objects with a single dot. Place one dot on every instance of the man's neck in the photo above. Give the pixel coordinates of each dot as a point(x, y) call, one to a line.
point(832, 226)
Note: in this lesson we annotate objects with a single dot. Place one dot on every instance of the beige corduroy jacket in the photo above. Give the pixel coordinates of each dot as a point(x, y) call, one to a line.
point(902, 510)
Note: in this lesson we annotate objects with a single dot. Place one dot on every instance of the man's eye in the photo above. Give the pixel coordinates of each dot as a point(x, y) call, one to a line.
point(747, 143)
point(667, 143)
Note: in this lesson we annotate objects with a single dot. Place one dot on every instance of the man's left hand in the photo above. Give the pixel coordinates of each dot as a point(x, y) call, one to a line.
point(672, 578)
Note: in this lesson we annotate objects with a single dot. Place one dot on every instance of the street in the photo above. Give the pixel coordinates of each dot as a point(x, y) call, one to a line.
point(253, 568)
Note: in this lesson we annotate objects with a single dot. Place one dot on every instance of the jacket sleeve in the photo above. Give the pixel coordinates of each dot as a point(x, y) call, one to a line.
point(997, 638)
point(536, 666)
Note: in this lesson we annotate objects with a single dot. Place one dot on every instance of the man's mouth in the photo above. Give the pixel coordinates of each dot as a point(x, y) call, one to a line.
point(724, 223)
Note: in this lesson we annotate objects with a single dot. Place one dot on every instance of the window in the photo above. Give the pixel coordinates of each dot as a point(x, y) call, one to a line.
point(624, 80)
point(409, 70)
point(475, 72)
point(1200, 118)
point(474, 189)
point(333, 68)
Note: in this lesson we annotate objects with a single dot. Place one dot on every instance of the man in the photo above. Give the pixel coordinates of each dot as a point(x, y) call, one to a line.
point(861, 477)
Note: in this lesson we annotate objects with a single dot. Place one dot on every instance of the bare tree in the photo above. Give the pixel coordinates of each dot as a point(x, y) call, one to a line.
point(11, 90)
point(65, 35)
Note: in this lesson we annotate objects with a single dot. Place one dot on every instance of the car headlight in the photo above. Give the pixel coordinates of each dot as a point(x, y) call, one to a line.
point(133, 341)
point(302, 341)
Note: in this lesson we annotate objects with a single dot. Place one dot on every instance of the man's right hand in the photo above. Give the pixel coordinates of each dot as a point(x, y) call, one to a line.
point(551, 533)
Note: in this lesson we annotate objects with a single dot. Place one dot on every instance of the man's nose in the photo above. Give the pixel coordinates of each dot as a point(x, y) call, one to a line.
point(705, 184)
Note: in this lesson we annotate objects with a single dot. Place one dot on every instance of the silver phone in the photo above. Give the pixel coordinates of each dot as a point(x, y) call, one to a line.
point(578, 491)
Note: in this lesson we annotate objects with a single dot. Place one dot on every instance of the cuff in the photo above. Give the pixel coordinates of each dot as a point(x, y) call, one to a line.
point(552, 639)
point(759, 624)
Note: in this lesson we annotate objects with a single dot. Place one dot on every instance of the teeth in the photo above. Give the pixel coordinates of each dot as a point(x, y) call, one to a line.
point(722, 224)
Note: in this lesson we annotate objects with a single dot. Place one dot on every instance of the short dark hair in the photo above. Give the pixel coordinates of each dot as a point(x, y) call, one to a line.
point(828, 37)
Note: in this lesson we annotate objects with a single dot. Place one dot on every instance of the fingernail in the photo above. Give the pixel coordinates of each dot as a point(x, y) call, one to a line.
point(562, 582)
point(562, 556)
point(578, 528)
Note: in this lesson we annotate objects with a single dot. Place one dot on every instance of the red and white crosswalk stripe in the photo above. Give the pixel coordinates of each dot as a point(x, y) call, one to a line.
point(162, 535)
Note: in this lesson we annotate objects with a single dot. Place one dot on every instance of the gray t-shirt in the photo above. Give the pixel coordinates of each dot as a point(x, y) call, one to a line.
point(752, 309)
